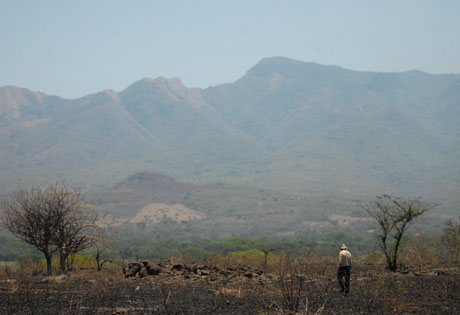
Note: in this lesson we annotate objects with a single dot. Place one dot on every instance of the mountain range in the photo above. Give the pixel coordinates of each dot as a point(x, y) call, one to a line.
point(286, 124)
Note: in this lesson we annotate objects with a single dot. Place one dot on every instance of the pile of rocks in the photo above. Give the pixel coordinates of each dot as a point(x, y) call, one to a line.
point(140, 270)
point(195, 272)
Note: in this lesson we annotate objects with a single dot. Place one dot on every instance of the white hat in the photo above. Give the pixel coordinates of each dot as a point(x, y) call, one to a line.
point(343, 246)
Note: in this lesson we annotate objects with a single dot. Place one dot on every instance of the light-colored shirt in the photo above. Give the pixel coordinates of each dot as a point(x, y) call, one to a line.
point(344, 258)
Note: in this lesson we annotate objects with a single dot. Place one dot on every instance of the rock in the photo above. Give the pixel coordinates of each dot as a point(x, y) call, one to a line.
point(248, 275)
point(153, 271)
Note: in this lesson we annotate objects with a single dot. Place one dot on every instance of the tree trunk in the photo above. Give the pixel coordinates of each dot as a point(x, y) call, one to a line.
point(69, 261)
point(49, 267)
point(62, 261)
point(393, 266)
point(98, 261)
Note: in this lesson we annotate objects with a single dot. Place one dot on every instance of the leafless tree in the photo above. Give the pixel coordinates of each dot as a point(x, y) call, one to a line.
point(394, 215)
point(53, 219)
point(77, 229)
point(28, 216)
point(101, 245)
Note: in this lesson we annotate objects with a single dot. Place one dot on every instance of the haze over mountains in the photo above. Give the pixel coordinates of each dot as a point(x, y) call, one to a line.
point(286, 124)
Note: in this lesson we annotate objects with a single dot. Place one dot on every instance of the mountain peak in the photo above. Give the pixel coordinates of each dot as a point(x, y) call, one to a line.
point(287, 67)
point(14, 99)
point(274, 64)
point(172, 89)
point(160, 83)
point(175, 81)
point(104, 96)
point(112, 94)
point(14, 91)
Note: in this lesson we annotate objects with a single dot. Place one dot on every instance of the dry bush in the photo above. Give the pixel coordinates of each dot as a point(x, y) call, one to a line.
point(449, 246)
point(21, 270)
point(376, 259)
point(31, 268)
point(320, 265)
point(419, 253)
point(8, 270)
point(292, 283)
point(252, 258)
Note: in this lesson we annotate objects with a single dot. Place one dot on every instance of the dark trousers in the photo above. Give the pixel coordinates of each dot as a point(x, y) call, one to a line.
point(344, 271)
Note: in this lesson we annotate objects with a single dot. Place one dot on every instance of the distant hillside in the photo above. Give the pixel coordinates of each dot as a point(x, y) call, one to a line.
point(286, 124)
point(160, 206)
point(172, 208)
point(153, 182)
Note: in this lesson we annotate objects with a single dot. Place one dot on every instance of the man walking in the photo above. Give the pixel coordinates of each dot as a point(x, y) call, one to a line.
point(344, 268)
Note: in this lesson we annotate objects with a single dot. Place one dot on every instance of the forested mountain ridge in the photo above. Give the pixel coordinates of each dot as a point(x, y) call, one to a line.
point(286, 124)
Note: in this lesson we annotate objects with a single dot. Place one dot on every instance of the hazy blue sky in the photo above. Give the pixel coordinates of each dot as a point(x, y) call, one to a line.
point(73, 48)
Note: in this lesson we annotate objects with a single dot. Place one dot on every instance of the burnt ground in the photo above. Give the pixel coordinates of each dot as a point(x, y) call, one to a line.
point(202, 289)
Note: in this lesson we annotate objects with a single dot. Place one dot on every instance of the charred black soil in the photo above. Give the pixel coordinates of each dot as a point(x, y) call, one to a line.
point(205, 289)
